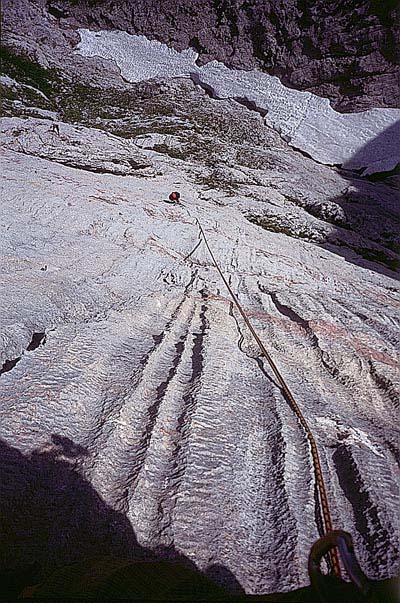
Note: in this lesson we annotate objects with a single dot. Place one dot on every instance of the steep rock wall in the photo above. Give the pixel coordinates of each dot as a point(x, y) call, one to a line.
point(347, 52)
point(136, 414)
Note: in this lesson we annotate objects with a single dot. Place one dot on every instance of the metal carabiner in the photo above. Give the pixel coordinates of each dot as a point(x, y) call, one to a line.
point(343, 541)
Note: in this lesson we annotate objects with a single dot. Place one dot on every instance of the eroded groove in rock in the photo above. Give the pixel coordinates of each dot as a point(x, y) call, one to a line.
point(124, 451)
point(37, 340)
point(160, 477)
point(292, 315)
point(371, 523)
point(8, 365)
point(114, 399)
point(189, 400)
point(148, 421)
point(386, 386)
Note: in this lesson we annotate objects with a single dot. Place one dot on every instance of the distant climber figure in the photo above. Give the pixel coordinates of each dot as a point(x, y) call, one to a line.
point(174, 197)
point(55, 128)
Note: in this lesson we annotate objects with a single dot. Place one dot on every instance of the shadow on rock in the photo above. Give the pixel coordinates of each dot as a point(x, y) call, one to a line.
point(379, 156)
point(370, 228)
point(54, 517)
point(60, 540)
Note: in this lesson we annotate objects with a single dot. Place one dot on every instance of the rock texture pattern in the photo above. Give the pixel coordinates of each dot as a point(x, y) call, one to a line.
point(137, 416)
point(306, 121)
point(76, 146)
point(346, 52)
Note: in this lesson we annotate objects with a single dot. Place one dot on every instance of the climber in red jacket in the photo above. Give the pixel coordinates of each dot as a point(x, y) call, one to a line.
point(174, 197)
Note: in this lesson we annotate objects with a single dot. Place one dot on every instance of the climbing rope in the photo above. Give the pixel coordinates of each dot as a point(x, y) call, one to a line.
point(323, 498)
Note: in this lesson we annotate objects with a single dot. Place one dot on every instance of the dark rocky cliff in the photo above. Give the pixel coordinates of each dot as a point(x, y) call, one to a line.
point(346, 51)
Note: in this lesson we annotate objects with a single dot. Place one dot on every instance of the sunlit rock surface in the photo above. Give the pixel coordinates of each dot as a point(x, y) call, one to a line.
point(136, 414)
point(76, 146)
point(306, 121)
point(149, 370)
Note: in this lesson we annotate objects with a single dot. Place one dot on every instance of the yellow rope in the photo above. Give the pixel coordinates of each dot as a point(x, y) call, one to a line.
point(314, 450)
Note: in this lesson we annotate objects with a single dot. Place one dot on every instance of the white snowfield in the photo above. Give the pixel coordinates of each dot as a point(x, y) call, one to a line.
point(370, 139)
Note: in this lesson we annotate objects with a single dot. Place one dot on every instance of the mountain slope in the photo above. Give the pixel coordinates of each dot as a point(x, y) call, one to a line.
point(347, 52)
point(137, 415)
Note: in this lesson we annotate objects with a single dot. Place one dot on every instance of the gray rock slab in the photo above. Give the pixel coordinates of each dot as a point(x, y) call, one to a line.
point(83, 148)
point(149, 371)
point(307, 122)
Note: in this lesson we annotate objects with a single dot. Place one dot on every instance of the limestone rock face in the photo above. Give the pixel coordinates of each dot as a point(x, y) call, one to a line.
point(149, 384)
point(76, 146)
point(137, 416)
point(347, 52)
point(366, 141)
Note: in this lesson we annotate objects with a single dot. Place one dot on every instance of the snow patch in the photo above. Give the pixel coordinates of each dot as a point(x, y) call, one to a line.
point(137, 57)
point(366, 140)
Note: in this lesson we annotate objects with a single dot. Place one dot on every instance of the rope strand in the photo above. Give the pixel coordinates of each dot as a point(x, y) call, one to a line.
point(314, 450)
